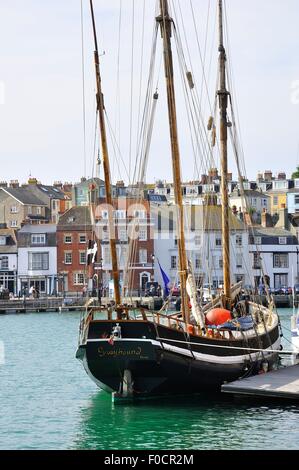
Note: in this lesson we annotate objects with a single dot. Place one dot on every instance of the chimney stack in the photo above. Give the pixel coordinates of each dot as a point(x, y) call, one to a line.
point(283, 220)
point(266, 219)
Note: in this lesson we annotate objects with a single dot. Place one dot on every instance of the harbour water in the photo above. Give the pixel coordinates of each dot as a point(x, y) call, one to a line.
point(48, 402)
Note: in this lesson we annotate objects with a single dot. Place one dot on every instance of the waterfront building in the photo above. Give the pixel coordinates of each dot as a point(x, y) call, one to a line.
point(74, 229)
point(57, 202)
point(256, 202)
point(203, 242)
point(293, 198)
point(278, 194)
point(19, 205)
point(37, 259)
point(132, 220)
point(8, 259)
point(275, 251)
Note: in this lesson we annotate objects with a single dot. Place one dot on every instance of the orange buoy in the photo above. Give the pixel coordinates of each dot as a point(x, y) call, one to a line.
point(218, 316)
point(190, 329)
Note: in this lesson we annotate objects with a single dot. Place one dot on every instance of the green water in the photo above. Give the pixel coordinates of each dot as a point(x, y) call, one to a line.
point(48, 402)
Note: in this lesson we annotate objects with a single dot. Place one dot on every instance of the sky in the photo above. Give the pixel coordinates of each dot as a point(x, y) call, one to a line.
point(41, 97)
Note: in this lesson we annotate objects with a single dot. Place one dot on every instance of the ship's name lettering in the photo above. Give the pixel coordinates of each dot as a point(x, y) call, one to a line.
point(119, 352)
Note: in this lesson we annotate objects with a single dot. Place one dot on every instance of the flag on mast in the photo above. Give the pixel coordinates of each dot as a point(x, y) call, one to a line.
point(166, 280)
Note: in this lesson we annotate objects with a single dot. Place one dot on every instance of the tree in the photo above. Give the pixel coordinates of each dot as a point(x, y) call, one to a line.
point(296, 173)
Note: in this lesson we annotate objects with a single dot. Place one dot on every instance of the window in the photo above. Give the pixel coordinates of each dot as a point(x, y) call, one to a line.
point(119, 214)
point(38, 239)
point(257, 240)
point(2, 240)
point(197, 262)
point(280, 184)
point(143, 256)
point(280, 260)
point(38, 210)
point(254, 201)
point(280, 280)
point(140, 214)
point(297, 199)
point(4, 262)
point(106, 255)
point(239, 278)
point(68, 257)
point(218, 241)
point(282, 240)
point(256, 261)
point(38, 261)
point(82, 238)
point(82, 257)
point(239, 260)
point(14, 209)
point(142, 234)
point(122, 234)
point(197, 240)
point(220, 263)
point(79, 279)
point(29, 210)
point(54, 204)
point(173, 262)
point(68, 239)
point(275, 201)
point(13, 223)
point(239, 241)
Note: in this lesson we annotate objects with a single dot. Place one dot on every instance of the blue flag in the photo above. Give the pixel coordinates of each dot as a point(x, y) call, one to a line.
point(166, 280)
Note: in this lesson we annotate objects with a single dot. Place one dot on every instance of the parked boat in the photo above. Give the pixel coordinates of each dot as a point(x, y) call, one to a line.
point(134, 353)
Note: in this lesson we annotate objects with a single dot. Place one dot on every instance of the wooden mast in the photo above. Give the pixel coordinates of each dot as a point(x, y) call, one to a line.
point(166, 24)
point(223, 102)
point(106, 165)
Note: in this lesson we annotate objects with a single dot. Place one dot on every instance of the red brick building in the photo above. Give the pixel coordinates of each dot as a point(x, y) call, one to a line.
point(73, 232)
point(131, 220)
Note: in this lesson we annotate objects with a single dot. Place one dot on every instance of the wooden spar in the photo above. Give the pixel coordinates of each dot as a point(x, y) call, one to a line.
point(223, 102)
point(106, 165)
point(165, 24)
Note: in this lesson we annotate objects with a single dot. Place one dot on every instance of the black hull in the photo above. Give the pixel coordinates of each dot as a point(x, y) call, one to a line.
point(169, 367)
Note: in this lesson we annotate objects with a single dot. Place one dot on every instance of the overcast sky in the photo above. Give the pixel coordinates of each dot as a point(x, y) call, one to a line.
point(41, 118)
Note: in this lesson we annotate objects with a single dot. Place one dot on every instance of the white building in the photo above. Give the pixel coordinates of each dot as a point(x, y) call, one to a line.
point(37, 258)
point(256, 201)
point(203, 243)
point(276, 251)
point(8, 259)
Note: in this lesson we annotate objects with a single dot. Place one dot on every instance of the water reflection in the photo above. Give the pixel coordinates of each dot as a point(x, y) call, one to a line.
point(193, 423)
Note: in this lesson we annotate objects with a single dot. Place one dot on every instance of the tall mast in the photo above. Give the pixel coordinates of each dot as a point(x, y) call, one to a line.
point(106, 165)
point(166, 24)
point(223, 101)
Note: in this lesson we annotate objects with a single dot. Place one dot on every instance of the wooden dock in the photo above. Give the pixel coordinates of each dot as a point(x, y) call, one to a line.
point(281, 383)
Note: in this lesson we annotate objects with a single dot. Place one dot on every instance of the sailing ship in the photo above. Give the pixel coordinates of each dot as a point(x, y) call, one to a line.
point(136, 353)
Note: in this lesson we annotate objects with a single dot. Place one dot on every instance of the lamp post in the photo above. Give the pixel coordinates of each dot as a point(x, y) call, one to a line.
point(297, 253)
point(153, 267)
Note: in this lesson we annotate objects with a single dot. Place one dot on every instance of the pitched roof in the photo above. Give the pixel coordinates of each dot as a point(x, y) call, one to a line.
point(51, 191)
point(24, 196)
point(40, 228)
point(272, 232)
point(76, 216)
point(248, 193)
point(11, 247)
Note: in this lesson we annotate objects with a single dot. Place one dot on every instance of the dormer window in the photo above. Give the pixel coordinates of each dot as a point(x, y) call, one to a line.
point(38, 239)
